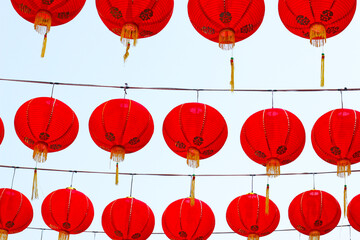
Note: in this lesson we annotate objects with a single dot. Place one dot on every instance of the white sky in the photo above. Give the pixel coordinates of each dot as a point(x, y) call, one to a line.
point(85, 51)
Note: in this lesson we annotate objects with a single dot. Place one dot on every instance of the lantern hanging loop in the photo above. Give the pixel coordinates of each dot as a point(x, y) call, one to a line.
point(72, 178)
point(272, 98)
point(350, 232)
point(52, 90)
point(314, 181)
point(13, 177)
point(131, 184)
point(125, 92)
point(341, 98)
point(252, 183)
point(197, 95)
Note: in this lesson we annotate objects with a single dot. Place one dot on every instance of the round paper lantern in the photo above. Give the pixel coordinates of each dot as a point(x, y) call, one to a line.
point(128, 218)
point(273, 137)
point(67, 211)
point(132, 20)
point(47, 13)
point(226, 22)
point(2, 131)
point(246, 216)
point(121, 126)
point(317, 19)
point(181, 220)
point(16, 212)
point(195, 131)
point(314, 213)
point(353, 213)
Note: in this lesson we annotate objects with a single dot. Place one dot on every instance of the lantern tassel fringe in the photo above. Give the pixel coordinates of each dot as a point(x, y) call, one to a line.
point(193, 158)
point(35, 192)
point(322, 82)
point(42, 23)
point(3, 234)
point(44, 46)
point(267, 199)
point(227, 39)
point(117, 174)
point(129, 32)
point(232, 83)
point(117, 154)
point(317, 35)
point(343, 168)
point(345, 201)
point(63, 235)
point(314, 235)
point(40, 152)
point(192, 191)
point(253, 237)
point(273, 168)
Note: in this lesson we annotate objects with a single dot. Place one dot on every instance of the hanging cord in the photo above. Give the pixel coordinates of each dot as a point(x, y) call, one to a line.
point(52, 90)
point(341, 97)
point(94, 235)
point(349, 232)
point(131, 184)
point(12, 181)
point(313, 181)
point(125, 92)
point(42, 233)
point(252, 183)
point(72, 178)
point(197, 96)
point(272, 98)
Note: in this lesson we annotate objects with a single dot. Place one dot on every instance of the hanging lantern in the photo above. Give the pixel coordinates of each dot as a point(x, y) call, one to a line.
point(226, 22)
point(2, 131)
point(195, 131)
point(183, 221)
point(316, 20)
point(314, 213)
point(45, 125)
point(353, 213)
point(67, 211)
point(16, 212)
point(246, 216)
point(46, 13)
point(128, 218)
point(121, 126)
point(132, 20)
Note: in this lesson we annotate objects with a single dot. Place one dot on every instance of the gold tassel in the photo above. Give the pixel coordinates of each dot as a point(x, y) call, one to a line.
point(232, 84)
point(129, 32)
point(40, 152)
point(314, 235)
point(126, 55)
point(3, 234)
point(117, 174)
point(322, 70)
point(193, 157)
point(63, 235)
point(227, 39)
point(317, 35)
point(35, 192)
point(192, 191)
point(345, 201)
point(267, 199)
point(343, 168)
point(44, 46)
point(117, 154)
point(253, 237)
point(273, 168)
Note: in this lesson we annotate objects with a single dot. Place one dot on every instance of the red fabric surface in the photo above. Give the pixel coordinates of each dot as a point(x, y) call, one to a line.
point(2, 131)
point(273, 134)
point(209, 17)
point(299, 15)
point(336, 136)
point(246, 215)
point(128, 218)
point(121, 122)
point(46, 120)
point(314, 210)
point(180, 221)
point(62, 11)
point(67, 210)
point(353, 213)
point(16, 212)
point(148, 15)
point(195, 125)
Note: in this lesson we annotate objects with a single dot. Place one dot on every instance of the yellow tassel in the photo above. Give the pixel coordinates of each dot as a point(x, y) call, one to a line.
point(322, 70)
point(117, 174)
point(35, 192)
point(267, 199)
point(345, 201)
point(343, 168)
point(253, 237)
point(42, 23)
point(40, 152)
point(3, 234)
point(273, 168)
point(44, 46)
point(129, 32)
point(227, 39)
point(232, 84)
point(314, 235)
point(317, 35)
point(117, 154)
point(193, 158)
point(192, 192)
point(126, 55)
point(63, 235)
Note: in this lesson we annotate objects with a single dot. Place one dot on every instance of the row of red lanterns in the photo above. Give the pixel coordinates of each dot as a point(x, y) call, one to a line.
point(222, 21)
point(69, 211)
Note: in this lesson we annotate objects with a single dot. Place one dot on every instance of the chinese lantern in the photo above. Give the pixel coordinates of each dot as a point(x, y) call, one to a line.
point(226, 22)
point(2, 131)
point(132, 20)
point(45, 125)
point(246, 216)
point(336, 139)
point(272, 137)
point(47, 13)
point(314, 213)
point(183, 221)
point(353, 213)
point(128, 218)
point(195, 131)
point(121, 126)
point(16, 212)
point(67, 211)
point(316, 20)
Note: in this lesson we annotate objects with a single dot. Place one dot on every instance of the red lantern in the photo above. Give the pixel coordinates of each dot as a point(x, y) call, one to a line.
point(121, 126)
point(246, 216)
point(128, 218)
point(314, 213)
point(67, 211)
point(136, 19)
point(16, 212)
point(181, 220)
point(316, 20)
point(195, 131)
point(47, 13)
point(353, 213)
point(226, 22)
point(2, 131)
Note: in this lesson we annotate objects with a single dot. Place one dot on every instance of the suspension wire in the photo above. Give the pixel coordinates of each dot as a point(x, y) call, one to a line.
point(13, 177)
point(72, 178)
point(52, 90)
point(131, 184)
